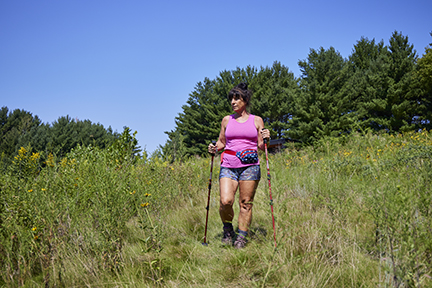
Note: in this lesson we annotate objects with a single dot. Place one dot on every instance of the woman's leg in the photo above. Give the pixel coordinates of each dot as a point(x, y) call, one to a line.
point(246, 198)
point(228, 188)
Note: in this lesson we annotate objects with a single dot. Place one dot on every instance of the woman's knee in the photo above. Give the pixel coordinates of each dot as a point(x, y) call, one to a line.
point(226, 202)
point(246, 204)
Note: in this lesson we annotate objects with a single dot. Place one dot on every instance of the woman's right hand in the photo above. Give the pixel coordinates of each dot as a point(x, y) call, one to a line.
point(212, 148)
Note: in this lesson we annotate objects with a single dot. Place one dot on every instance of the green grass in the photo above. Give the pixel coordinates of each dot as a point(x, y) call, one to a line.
point(352, 212)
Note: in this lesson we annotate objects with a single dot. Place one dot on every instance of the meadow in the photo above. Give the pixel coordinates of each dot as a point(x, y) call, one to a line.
point(350, 212)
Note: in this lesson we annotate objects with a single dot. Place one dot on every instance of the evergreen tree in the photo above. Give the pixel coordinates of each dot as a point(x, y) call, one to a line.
point(380, 84)
point(199, 123)
point(275, 89)
point(368, 82)
point(63, 135)
point(14, 125)
point(39, 138)
point(321, 108)
point(174, 149)
point(402, 103)
point(423, 83)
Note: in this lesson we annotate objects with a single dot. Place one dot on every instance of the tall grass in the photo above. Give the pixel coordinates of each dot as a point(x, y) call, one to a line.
point(351, 212)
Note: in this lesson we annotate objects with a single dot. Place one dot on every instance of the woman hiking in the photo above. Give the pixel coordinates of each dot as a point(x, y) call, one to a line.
point(241, 133)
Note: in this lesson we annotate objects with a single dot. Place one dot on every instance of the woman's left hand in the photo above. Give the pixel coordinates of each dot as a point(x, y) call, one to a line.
point(265, 133)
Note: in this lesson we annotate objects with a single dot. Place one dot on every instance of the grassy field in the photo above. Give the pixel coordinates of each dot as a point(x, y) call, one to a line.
point(352, 212)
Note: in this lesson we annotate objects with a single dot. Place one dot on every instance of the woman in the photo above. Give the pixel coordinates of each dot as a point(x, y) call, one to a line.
point(239, 131)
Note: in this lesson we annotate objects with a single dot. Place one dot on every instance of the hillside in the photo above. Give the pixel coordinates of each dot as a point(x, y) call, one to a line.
point(350, 212)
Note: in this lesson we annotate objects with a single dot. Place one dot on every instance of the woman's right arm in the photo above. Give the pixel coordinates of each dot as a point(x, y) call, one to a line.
point(221, 142)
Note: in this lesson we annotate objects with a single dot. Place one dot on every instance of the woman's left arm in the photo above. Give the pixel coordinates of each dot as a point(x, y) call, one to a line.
point(262, 132)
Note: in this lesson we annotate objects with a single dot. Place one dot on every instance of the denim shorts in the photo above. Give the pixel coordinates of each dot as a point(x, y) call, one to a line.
point(241, 174)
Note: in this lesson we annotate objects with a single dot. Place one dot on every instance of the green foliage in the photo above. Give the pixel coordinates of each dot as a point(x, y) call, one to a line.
point(275, 89)
point(14, 125)
point(20, 129)
point(350, 212)
point(76, 206)
point(381, 85)
point(367, 83)
point(66, 133)
point(321, 109)
point(175, 148)
point(423, 78)
point(199, 123)
point(125, 148)
point(389, 179)
point(401, 102)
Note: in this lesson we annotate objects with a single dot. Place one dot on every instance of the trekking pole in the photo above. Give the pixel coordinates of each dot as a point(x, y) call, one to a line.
point(269, 183)
point(208, 199)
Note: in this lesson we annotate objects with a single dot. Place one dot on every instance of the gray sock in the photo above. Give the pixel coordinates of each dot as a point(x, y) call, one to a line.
point(242, 233)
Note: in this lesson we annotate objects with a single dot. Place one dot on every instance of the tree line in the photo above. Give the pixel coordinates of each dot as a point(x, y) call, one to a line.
point(378, 87)
point(19, 128)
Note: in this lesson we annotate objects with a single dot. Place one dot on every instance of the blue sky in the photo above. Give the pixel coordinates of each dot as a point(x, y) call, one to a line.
point(133, 63)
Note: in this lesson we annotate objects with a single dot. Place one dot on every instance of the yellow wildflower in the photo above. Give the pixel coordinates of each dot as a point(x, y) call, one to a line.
point(31, 190)
point(145, 204)
point(34, 229)
point(22, 151)
point(43, 189)
point(34, 157)
point(63, 162)
point(147, 195)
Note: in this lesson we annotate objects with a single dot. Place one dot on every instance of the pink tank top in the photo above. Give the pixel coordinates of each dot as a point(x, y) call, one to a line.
point(239, 136)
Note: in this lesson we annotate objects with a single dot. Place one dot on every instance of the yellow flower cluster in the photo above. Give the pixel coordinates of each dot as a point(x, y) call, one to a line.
point(50, 160)
point(65, 162)
point(24, 157)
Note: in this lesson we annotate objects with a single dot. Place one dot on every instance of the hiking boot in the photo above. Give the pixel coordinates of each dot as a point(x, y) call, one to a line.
point(240, 242)
point(228, 236)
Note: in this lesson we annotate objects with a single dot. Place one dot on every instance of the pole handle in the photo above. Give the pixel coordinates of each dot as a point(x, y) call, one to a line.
point(265, 139)
point(214, 143)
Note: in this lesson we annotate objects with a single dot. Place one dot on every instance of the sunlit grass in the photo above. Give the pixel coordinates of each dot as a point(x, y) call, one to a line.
point(352, 212)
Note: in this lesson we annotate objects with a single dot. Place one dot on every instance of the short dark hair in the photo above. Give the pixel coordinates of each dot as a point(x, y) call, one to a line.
point(241, 90)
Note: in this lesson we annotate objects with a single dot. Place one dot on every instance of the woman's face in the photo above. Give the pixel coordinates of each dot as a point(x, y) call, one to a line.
point(238, 104)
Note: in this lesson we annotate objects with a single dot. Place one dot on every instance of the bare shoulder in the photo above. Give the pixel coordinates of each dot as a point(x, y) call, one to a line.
point(225, 120)
point(259, 123)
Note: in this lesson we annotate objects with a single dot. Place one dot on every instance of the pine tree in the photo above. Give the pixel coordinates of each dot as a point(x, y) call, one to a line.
point(275, 89)
point(368, 82)
point(380, 84)
point(321, 108)
point(197, 122)
point(200, 121)
point(423, 80)
point(14, 125)
point(401, 102)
